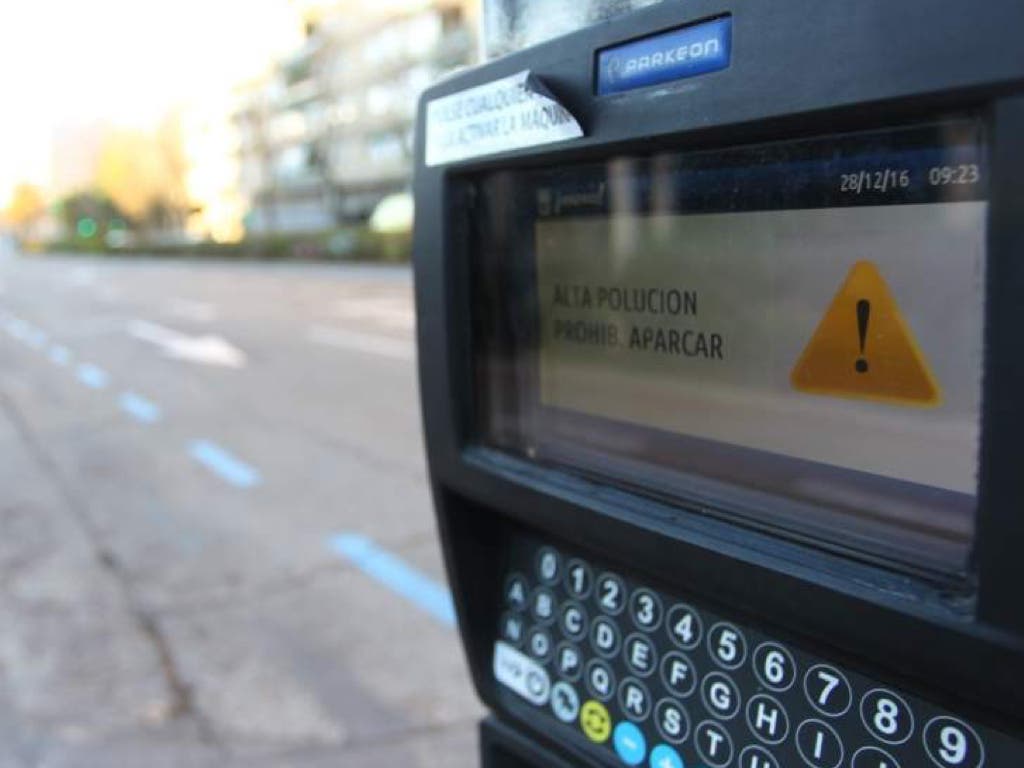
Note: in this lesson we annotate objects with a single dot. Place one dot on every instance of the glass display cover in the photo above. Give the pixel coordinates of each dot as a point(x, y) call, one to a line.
point(788, 333)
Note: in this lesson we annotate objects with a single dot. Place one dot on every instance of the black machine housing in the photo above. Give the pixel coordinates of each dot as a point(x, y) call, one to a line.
point(799, 68)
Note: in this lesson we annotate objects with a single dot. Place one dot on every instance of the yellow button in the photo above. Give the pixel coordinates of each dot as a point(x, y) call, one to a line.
point(595, 721)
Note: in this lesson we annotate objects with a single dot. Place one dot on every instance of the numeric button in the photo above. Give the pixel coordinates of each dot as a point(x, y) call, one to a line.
point(828, 690)
point(611, 594)
point(952, 743)
point(713, 744)
point(641, 657)
point(886, 716)
point(720, 695)
point(727, 645)
point(672, 721)
point(574, 621)
point(578, 579)
point(604, 635)
point(767, 719)
point(645, 609)
point(818, 744)
point(678, 674)
point(549, 565)
point(774, 667)
point(684, 626)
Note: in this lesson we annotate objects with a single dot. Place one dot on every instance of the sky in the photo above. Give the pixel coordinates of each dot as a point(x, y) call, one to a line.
point(122, 62)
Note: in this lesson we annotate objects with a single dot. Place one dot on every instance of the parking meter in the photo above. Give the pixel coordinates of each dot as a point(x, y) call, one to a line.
point(719, 313)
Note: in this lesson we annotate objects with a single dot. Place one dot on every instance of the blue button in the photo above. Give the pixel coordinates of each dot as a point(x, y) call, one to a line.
point(673, 55)
point(629, 743)
point(663, 756)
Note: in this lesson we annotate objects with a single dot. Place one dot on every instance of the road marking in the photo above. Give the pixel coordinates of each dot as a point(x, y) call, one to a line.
point(188, 309)
point(395, 574)
point(205, 349)
point(395, 312)
point(59, 355)
point(139, 408)
point(36, 338)
point(223, 464)
point(93, 377)
point(385, 346)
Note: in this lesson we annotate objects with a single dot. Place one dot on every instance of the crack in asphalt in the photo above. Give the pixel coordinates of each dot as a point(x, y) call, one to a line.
point(181, 703)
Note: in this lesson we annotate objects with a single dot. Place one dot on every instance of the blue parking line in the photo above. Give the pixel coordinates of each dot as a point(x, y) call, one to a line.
point(396, 575)
point(92, 376)
point(223, 464)
point(35, 338)
point(17, 329)
point(139, 408)
point(59, 355)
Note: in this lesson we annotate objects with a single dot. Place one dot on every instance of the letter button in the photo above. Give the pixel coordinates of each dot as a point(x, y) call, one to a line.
point(641, 657)
point(952, 743)
point(757, 757)
point(872, 757)
point(568, 661)
point(720, 695)
point(604, 636)
point(634, 699)
point(630, 744)
point(549, 565)
point(600, 680)
point(515, 591)
point(512, 628)
point(818, 744)
point(578, 579)
point(678, 674)
point(543, 605)
point(565, 703)
point(539, 644)
point(767, 719)
point(672, 721)
point(713, 744)
point(574, 621)
point(645, 609)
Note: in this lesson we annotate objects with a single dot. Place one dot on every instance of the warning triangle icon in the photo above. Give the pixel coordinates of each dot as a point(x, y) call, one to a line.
point(864, 349)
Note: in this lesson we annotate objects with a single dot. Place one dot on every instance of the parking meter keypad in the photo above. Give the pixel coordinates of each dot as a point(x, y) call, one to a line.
point(657, 679)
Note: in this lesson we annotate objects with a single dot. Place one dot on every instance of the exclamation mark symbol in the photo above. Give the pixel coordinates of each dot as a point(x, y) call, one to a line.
point(863, 315)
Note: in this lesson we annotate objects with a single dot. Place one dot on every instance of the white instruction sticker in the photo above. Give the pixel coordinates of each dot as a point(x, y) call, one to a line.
point(511, 113)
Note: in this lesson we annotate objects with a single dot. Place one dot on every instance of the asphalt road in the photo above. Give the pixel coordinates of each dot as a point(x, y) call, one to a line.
point(216, 541)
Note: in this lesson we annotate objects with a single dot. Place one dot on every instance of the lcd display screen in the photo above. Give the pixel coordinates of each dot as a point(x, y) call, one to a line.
point(789, 334)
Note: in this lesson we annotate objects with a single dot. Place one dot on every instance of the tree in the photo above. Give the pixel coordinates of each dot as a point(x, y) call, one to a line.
point(26, 208)
point(90, 216)
point(144, 173)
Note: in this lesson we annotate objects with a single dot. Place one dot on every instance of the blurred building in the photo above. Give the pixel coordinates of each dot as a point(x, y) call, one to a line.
point(327, 134)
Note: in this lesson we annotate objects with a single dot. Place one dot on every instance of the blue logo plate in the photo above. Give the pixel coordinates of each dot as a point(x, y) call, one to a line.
point(661, 58)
